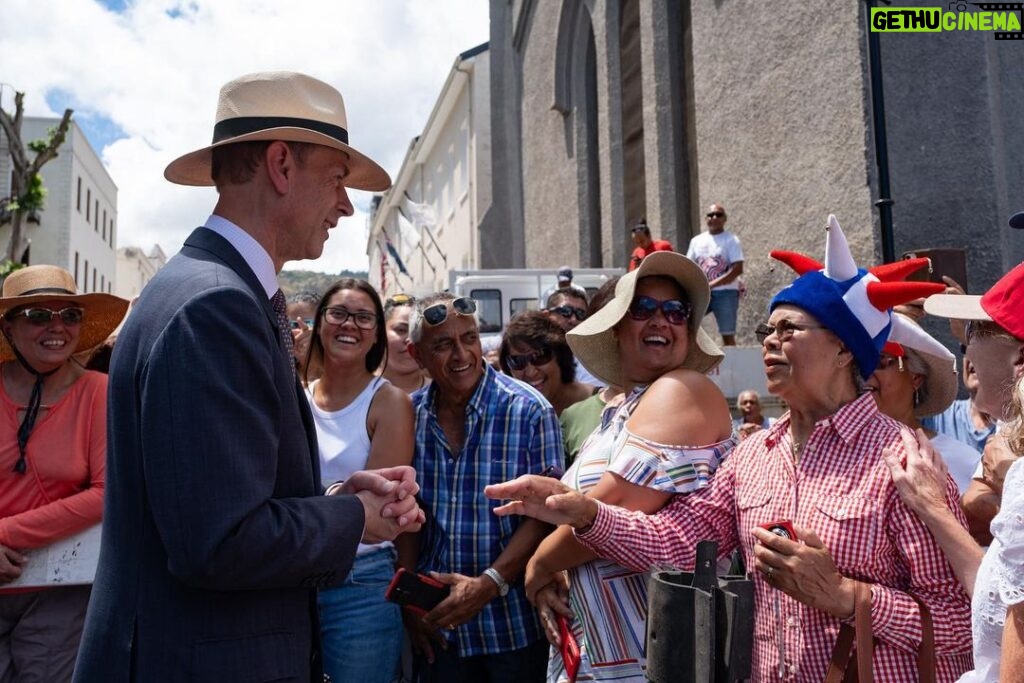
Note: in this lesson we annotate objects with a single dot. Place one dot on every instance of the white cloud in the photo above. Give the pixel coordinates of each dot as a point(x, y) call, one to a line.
point(155, 69)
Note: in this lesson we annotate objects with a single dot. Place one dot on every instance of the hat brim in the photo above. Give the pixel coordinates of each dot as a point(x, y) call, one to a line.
point(103, 313)
point(593, 340)
point(956, 306)
point(942, 385)
point(195, 168)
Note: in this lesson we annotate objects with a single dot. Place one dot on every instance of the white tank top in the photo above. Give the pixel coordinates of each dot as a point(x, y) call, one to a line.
point(342, 438)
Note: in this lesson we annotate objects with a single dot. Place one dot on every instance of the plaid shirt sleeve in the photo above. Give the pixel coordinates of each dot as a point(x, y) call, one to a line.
point(894, 613)
point(669, 537)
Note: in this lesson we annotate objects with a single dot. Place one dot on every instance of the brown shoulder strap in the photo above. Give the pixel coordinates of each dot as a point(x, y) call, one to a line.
point(926, 652)
point(862, 633)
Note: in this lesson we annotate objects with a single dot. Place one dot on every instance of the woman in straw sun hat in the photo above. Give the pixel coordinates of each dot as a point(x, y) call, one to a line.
point(52, 456)
point(666, 439)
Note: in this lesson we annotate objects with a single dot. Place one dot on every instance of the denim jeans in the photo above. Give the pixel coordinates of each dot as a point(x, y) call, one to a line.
point(361, 632)
point(725, 304)
point(525, 665)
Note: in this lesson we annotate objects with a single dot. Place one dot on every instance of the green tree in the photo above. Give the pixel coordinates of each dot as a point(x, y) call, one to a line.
point(27, 192)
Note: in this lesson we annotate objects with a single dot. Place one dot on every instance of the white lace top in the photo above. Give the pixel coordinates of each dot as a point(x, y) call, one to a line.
point(1000, 581)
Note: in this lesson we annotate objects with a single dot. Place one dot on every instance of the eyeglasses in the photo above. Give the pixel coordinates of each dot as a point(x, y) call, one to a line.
point(364, 320)
point(886, 362)
point(676, 312)
point(570, 311)
point(400, 300)
point(71, 315)
point(783, 329)
point(536, 359)
point(438, 313)
point(309, 323)
point(715, 214)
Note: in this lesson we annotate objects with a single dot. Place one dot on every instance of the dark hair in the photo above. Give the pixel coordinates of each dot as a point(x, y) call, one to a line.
point(236, 164)
point(603, 295)
point(535, 329)
point(570, 292)
point(377, 353)
point(641, 226)
point(99, 357)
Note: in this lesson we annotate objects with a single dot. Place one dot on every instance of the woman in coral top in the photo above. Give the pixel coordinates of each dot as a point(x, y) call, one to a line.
point(53, 442)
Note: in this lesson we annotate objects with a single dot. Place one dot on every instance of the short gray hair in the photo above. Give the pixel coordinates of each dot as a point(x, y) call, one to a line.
point(416, 316)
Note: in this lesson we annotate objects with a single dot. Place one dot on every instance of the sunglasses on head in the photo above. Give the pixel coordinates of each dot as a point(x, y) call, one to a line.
point(715, 214)
point(567, 312)
point(72, 315)
point(676, 312)
point(438, 313)
point(400, 300)
point(295, 323)
point(536, 359)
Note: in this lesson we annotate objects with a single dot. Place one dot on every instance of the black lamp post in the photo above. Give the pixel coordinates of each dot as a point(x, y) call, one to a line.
point(884, 201)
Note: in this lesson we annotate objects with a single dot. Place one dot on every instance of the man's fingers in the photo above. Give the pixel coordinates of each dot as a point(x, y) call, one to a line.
point(809, 538)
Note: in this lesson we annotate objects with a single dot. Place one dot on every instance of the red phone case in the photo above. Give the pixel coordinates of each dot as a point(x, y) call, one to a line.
point(570, 649)
point(415, 592)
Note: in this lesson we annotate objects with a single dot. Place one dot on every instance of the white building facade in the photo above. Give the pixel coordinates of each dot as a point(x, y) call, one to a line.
point(135, 268)
point(430, 217)
point(77, 229)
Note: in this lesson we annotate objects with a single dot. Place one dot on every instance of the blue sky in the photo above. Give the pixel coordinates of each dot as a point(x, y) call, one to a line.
point(143, 75)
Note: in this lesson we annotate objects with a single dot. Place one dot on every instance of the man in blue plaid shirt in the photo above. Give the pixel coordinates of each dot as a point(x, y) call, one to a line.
point(474, 427)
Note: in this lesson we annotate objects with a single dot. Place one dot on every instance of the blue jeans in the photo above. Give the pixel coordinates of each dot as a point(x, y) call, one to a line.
point(525, 665)
point(724, 304)
point(361, 632)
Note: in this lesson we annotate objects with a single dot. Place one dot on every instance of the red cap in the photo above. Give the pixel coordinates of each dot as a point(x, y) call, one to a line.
point(1000, 305)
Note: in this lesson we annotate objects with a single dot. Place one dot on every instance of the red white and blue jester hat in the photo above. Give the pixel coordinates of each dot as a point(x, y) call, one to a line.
point(853, 303)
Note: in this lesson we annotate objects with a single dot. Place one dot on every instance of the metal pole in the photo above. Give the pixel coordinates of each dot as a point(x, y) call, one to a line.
point(884, 201)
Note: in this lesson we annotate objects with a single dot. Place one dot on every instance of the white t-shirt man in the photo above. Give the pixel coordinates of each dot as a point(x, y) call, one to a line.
point(715, 254)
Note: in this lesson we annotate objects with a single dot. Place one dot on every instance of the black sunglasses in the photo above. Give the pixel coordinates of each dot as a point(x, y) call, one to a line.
point(438, 313)
point(676, 312)
point(536, 359)
point(567, 312)
point(72, 315)
point(715, 214)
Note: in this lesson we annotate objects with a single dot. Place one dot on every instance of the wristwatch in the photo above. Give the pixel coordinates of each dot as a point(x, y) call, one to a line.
point(497, 578)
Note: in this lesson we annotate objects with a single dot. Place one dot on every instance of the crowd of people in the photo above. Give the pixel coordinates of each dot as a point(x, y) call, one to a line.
point(263, 466)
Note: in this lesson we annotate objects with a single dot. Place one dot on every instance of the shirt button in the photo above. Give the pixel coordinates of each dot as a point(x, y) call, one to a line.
point(790, 621)
point(792, 668)
point(841, 512)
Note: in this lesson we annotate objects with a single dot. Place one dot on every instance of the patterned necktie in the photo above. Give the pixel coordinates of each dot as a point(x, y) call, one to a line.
point(283, 327)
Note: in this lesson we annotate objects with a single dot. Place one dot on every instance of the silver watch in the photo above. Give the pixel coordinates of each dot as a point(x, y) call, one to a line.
point(498, 579)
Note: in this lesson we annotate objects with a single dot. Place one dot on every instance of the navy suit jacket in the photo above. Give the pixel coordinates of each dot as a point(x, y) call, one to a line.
point(215, 534)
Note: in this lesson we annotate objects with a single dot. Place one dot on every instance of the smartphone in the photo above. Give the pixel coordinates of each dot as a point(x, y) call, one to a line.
point(569, 647)
point(416, 592)
point(783, 528)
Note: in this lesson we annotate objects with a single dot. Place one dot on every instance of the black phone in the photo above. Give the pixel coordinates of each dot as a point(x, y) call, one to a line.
point(416, 592)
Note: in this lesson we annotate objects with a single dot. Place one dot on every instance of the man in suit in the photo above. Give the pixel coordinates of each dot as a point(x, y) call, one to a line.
point(215, 533)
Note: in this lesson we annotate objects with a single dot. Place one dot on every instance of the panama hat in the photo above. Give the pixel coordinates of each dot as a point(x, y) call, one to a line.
point(42, 284)
point(941, 379)
point(593, 340)
point(279, 105)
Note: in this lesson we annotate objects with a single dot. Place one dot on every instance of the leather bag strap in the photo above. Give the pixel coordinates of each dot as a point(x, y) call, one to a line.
point(839, 668)
point(926, 652)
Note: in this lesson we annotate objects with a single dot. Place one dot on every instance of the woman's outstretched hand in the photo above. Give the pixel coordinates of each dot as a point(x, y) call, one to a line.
point(543, 498)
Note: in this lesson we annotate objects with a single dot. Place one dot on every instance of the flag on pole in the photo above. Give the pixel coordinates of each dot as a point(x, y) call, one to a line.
point(394, 255)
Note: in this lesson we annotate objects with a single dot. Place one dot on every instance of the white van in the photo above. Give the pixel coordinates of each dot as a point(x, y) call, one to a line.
point(500, 294)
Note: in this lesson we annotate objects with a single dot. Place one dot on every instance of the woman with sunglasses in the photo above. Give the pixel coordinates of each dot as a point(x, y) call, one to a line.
point(534, 351)
point(859, 550)
point(362, 422)
point(401, 370)
point(666, 439)
point(53, 412)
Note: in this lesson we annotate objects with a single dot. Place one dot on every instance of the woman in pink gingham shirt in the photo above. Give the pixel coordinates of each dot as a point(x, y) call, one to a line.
point(820, 466)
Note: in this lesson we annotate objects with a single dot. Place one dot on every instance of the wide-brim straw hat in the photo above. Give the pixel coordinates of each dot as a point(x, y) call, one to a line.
point(593, 340)
point(941, 379)
point(44, 284)
point(279, 105)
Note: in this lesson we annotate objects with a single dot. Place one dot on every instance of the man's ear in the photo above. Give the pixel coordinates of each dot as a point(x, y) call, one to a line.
point(280, 162)
point(414, 352)
point(1018, 362)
